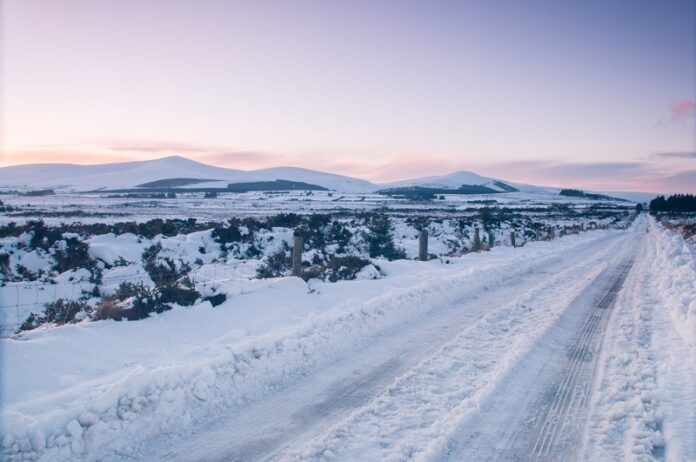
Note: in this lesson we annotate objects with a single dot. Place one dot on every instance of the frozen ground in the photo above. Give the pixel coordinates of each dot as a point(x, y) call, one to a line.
point(578, 348)
point(68, 207)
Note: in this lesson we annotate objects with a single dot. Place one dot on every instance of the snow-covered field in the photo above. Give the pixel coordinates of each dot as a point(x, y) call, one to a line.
point(29, 278)
point(98, 208)
point(456, 359)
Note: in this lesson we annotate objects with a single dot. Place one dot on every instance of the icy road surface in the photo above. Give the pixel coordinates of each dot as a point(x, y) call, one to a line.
point(507, 375)
point(583, 348)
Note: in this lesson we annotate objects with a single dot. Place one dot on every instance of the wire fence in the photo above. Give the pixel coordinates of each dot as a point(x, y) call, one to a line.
point(33, 293)
point(75, 290)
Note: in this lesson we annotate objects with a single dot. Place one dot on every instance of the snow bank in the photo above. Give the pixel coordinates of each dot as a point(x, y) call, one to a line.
point(646, 388)
point(110, 248)
point(113, 410)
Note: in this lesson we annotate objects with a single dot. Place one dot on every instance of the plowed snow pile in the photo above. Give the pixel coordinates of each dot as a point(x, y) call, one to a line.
point(645, 406)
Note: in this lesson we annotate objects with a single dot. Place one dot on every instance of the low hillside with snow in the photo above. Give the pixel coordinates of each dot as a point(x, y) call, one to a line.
point(458, 179)
point(132, 174)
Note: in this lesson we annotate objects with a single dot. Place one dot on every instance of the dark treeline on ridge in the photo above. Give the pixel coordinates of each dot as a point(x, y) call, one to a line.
point(674, 203)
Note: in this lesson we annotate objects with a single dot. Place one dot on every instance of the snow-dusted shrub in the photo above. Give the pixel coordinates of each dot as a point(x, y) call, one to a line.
point(274, 265)
point(74, 255)
point(32, 322)
point(108, 308)
point(284, 220)
point(339, 234)
point(380, 239)
point(63, 311)
point(314, 229)
point(215, 300)
point(11, 230)
point(345, 268)
point(144, 302)
point(181, 292)
point(43, 237)
point(25, 274)
point(226, 234)
point(163, 271)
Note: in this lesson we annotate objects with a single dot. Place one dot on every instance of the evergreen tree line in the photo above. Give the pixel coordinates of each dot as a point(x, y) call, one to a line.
point(674, 203)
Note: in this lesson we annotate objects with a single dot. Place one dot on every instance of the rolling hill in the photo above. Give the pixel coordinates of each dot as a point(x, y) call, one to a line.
point(182, 173)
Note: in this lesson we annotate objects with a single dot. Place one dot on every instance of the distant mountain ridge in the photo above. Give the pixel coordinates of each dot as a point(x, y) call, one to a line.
point(180, 172)
point(122, 175)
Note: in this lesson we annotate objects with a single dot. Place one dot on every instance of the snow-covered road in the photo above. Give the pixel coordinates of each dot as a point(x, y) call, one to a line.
point(500, 376)
point(576, 349)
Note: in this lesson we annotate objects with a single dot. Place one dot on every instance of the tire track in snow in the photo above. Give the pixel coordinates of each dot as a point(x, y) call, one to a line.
point(416, 415)
point(291, 415)
point(574, 388)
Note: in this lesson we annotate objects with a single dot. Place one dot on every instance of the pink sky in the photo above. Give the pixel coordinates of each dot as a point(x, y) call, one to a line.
point(567, 95)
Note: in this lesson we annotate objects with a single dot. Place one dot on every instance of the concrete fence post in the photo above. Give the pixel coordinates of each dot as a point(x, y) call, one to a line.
point(512, 238)
point(297, 247)
point(423, 245)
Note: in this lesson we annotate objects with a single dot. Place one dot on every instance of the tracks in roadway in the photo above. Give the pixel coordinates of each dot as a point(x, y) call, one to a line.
point(299, 413)
point(572, 393)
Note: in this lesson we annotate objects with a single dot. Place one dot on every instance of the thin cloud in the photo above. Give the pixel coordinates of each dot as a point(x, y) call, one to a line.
point(58, 156)
point(157, 147)
point(675, 155)
point(682, 109)
point(683, 181)
point(600, 176)
point(594, 167)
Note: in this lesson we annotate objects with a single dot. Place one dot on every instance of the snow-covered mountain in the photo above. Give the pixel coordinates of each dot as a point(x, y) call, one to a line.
point(456, 179)
point(132, 174)
point(180, 172)
point(451, 181)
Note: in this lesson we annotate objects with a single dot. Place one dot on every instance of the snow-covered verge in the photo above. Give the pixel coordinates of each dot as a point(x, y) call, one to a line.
point(79, 268)
point(81, 390)
point(645, 406)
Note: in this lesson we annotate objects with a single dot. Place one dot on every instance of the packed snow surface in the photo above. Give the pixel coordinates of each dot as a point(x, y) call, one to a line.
point(405, 367)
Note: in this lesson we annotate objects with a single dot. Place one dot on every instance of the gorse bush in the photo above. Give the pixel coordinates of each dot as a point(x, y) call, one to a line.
point(75, 255)
point(380, 239)
point(216, 300)
point(345, 268)
point(108, 308)
point(42, 237)
point(226, 234)
point(25, 274)
point(63, 311)
point(144, 301)
point(182, 292)
point(340, 234)
point(274, 265)
point(31, 322)
point(284, 220)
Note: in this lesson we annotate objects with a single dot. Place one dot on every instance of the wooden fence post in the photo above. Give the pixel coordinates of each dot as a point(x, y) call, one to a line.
point(491, 239)
point(512, 238)
point(297, 247)
point(423, 245)
point(477, 240)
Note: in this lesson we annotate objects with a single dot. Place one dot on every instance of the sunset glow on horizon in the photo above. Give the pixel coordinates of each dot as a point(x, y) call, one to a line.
point(553, 93)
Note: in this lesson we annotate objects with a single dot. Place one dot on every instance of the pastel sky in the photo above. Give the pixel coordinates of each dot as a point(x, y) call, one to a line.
point(591, 94)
